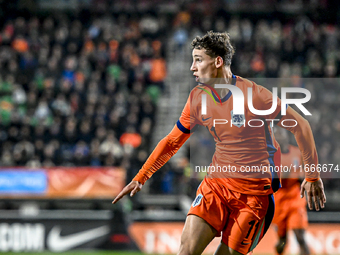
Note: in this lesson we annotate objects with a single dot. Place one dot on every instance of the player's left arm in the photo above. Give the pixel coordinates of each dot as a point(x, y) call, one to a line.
point(263, 99)
point(304, 137)
point(301, 176)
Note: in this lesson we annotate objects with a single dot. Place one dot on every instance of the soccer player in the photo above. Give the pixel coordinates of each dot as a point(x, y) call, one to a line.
point(290, 211)
point(235, 204)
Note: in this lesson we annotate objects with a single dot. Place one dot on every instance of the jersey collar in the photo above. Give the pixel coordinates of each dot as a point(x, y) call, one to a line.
point(226, 97)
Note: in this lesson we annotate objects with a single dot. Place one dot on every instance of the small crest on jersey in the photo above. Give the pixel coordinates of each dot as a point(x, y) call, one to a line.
point(197, 200)
point(237, 120)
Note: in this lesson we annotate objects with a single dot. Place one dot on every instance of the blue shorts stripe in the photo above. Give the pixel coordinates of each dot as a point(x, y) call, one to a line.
point(266, 221)
point(270, 213)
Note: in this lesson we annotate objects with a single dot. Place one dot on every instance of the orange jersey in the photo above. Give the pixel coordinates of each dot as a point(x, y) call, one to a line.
point(241, 140)
point(238, 143)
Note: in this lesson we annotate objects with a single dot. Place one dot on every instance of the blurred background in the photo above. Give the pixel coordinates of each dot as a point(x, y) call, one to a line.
point(89, 87)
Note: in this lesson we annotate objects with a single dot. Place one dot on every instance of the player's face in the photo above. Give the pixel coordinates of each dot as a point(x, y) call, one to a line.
point(203, 66)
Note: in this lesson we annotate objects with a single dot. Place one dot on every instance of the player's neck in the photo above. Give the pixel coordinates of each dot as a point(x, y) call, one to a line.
point(224, 76)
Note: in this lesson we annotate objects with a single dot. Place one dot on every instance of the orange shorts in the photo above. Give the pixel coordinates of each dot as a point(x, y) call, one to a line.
point(242, 219)
point(290, 214)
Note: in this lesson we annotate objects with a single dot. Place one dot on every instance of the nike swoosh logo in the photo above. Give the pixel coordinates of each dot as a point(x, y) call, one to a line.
point(205, 119)
point(244, 243)
point(58, 243)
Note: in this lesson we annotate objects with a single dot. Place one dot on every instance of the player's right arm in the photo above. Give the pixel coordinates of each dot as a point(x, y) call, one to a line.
point(164, 150)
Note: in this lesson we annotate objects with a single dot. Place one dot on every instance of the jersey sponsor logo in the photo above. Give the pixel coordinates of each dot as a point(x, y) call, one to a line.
point(58, 243)
point(203, 119)
point(237, 120)
point(197, 200)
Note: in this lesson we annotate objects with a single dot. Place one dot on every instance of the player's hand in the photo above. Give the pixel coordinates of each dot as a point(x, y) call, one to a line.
point(315, 192)
point(132, 187)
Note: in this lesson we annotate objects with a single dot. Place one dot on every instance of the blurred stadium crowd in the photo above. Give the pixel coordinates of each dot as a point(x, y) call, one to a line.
point(78, 90)
point(77, 94)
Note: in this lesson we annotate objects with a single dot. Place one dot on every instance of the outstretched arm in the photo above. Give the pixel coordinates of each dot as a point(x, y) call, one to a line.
point(165, 149)
point(304, 137)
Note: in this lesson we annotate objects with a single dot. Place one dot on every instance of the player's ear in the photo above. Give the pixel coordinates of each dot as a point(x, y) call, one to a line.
point(218, 62)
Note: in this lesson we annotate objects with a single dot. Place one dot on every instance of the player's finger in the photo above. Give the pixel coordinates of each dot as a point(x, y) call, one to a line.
point(319, 197)
point(302, 190)
point(121, 195)
point(134, 191)
point(322, 198)
point(315, 199)
point(309, 200)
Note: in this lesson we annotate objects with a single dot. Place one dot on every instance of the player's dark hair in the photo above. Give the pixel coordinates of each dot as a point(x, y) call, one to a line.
point(215, 44)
